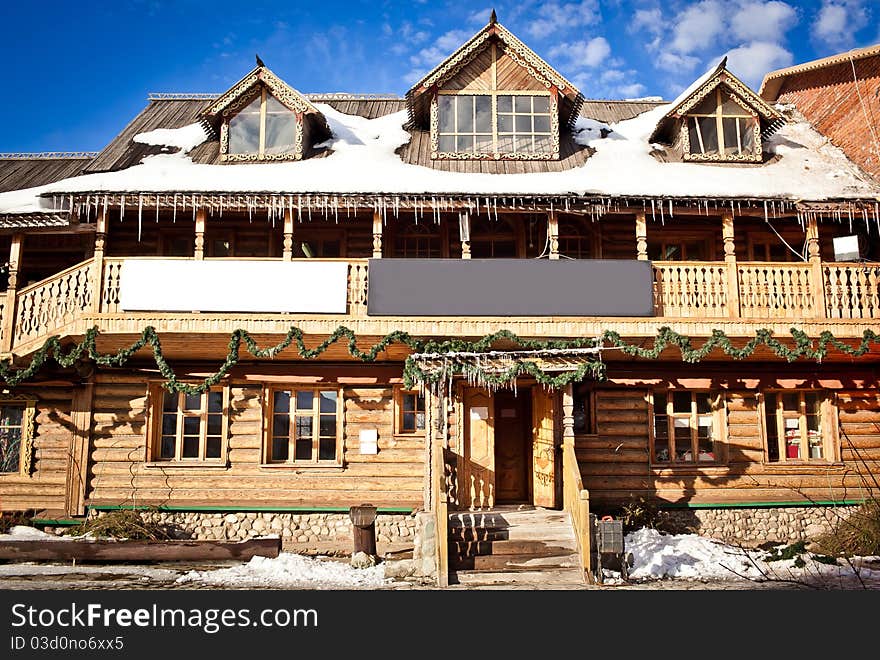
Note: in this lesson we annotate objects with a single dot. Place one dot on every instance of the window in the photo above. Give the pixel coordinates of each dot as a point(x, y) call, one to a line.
point(720, 128)
point(697, 250)
point(263, 128)
point(687, 427)
point(410, 411)
point(769, 250)
point(794, 425)
point(191, 427)
point(418, 241)
point(304, 427)
point(493, 239)
point(16, 436)
point(584, 409)
point(496, 125)
point(574, 241)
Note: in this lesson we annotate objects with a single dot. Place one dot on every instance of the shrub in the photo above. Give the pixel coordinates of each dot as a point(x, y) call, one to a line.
point(125, 523)
point(856, 535)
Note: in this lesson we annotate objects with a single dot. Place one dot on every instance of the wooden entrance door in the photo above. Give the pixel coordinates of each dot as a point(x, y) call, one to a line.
point(477, 488)
point(543, 448)
point(512, 427)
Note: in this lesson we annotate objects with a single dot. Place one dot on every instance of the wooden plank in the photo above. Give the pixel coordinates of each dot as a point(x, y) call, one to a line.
point(138, 550)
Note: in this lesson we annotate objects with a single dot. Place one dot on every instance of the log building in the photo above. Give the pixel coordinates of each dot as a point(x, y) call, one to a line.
point(492, 291)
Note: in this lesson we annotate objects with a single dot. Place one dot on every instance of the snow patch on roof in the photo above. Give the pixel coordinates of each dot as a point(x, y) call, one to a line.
point(363, 161)
point(185, 138)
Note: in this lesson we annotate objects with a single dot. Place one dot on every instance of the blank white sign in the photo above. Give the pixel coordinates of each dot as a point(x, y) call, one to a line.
point(176, 285)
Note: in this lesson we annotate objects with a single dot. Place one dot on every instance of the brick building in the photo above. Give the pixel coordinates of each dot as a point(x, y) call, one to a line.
point(840, 97)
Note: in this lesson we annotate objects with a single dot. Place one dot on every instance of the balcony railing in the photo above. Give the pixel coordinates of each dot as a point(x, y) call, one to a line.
point(682, 290)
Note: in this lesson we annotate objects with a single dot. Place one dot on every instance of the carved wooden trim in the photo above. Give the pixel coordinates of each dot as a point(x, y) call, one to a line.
point(28, 428)
point(232, 99)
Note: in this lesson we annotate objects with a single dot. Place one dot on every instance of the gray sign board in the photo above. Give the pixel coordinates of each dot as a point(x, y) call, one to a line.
point(510, 287)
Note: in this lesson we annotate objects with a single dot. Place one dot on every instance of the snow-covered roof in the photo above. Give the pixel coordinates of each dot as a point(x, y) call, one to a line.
point(364, 161)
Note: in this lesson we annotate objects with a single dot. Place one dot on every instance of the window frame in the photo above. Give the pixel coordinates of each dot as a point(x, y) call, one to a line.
point(399, 393)
point(26, 443)
point(268, 418)
point(495, 154)
point(682, 244)
point(261, 155)
point(156, 406)
point(827, 424)
point(718, 405)
point(590, 409)
point(754, 157)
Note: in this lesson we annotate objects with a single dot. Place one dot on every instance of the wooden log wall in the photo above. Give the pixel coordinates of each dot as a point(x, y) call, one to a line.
point(392, 477)
point(53, 435)
point(615, 463)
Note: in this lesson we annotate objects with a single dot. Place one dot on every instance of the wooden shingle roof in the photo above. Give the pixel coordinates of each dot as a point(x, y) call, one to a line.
point(18, 171)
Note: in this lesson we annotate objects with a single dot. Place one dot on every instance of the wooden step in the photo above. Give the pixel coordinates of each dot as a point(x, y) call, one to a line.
point(524, 561)
point(516, 547)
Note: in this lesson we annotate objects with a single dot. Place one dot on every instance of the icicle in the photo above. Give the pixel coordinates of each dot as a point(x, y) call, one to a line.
point(140, 215)
point(765, 211)
point(653, 214)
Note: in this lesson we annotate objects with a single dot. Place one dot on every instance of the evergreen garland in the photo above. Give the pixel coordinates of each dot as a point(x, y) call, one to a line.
point(413, 374)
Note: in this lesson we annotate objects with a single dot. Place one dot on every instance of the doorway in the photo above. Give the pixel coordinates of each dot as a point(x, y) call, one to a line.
point(513, 430)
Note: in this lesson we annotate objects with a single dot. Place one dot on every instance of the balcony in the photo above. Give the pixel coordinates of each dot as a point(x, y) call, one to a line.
point(693, 297)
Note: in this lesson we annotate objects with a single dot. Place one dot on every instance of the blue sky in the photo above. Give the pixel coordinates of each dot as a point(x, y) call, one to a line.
point(79, 71)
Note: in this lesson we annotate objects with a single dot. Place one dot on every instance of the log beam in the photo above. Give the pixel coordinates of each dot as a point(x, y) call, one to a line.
point(377, 235)
point(553, 234)
point(641, 237)
point(15, 253)
point(727, 236)
point(201, 217)
point(287, 249)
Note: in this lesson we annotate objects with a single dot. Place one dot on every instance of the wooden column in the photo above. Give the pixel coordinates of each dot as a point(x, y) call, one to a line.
point(78, 456)
point(641, 237)
point(464, 233)
point(287, 250)
point(201, 217)
point(727, 236)
point(98, 257)
point(553, 234)
point(817, 277)
point(568, 414)
point(15, 251)
point(377, 235)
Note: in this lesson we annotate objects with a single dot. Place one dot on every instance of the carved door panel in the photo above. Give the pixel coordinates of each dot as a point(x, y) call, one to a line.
point(543, 448)
point(478, 487)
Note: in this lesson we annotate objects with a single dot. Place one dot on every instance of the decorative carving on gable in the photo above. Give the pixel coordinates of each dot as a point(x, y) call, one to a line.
point(280, 90)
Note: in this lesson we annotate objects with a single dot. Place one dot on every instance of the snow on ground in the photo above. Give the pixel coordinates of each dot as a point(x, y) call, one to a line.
point(28, 569)
point(364, 161)
point(25, 533)
point(688, 556)
point(289, 571)
point(185, 139)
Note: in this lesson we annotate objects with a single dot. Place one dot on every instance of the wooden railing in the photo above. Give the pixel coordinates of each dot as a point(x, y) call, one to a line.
point(852, 291)
point(576, 501)
point(45, 306)
point(690, 289)
point(772, 290)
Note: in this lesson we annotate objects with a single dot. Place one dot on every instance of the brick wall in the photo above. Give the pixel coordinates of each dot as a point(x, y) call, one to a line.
point(829, 100)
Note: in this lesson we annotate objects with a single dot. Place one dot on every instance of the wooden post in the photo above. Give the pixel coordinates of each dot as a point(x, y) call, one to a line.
point(201, 217)
point(727, 236)
point(464, 233)
point(78, 456)
point(98, 260)
point(641, 237)
point(553, 234)
point(377, 235)
point(568, 414)
point(15, 251)
point(816, 275)
point(287, 251)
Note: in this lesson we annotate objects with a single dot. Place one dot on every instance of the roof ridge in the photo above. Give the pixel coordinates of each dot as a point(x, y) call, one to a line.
point(345, 96)
point(47, 155)
point(182, 96)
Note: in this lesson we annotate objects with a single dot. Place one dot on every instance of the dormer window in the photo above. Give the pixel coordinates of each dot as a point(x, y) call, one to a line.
point(722, 128)
point(501, 125)
point(262, 118)
point(263, 127)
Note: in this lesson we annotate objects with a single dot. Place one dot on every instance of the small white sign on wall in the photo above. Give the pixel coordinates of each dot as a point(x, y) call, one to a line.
point(368, 440)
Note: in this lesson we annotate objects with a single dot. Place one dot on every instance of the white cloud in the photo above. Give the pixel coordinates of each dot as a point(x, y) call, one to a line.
point(631, 91)
point(676, 63)
point(838, 21)
point(751, 61)
point(762, 21)
point(555, 16)
point(578, 54)
point(649, 20)
point(698, 27)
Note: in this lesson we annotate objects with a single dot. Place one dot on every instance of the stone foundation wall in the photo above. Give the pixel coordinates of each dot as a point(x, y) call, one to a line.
point(755, 526)
point(293, 528)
